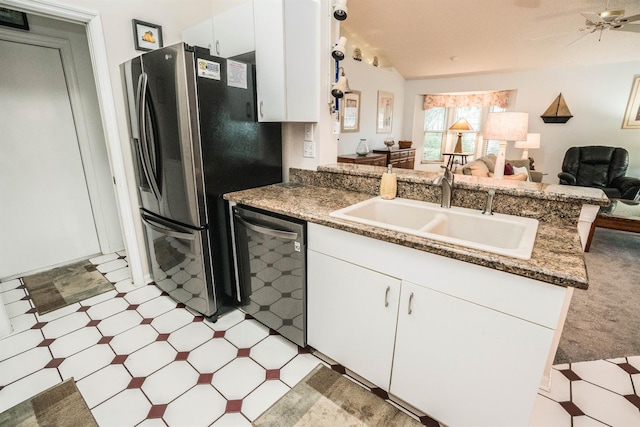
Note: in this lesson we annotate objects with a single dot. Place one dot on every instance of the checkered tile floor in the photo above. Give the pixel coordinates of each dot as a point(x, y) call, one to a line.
point(139, 358)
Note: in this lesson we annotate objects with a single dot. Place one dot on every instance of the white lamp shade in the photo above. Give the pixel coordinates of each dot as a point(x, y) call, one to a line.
point(507, 126)
point(533, 141)
point(340, 87)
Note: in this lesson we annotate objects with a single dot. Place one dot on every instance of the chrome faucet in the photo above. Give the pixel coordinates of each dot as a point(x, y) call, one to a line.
point(488, 207)
point(446, 182)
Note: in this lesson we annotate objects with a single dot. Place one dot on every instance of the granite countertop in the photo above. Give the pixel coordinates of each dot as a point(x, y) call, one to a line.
point(557, 256)
point(538, 190)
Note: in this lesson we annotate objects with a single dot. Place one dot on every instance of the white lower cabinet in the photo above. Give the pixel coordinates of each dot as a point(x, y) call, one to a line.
point(354, 326)
point(466, 344)
point(464, 364)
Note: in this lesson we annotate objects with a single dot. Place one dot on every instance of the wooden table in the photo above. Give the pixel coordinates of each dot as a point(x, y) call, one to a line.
point(374, 159)
point(452, 156)
point(621, 215)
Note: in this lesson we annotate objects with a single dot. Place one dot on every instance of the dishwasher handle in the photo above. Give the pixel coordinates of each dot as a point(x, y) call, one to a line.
point(288, 235)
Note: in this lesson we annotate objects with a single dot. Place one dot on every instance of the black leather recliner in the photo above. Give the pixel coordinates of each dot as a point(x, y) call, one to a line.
point(600, 167)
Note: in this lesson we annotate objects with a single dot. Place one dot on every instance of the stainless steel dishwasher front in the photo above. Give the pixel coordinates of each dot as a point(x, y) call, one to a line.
point(271, 267)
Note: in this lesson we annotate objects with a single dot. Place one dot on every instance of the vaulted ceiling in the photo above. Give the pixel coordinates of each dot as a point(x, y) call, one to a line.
point(435, 38)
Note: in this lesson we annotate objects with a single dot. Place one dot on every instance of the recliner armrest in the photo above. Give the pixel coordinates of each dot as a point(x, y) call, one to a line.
point(567, 178)
point(629, 187)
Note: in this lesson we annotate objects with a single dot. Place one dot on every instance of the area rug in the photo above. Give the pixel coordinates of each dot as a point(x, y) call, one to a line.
point(62, 286)
point(61, 405)
point(326, 398)
point(603, 321)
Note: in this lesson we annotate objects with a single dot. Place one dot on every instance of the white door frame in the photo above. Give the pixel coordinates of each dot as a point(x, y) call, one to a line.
point(97, 48)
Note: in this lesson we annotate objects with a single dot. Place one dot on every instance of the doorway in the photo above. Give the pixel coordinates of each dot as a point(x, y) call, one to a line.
point(48, 218)
point(58, 189)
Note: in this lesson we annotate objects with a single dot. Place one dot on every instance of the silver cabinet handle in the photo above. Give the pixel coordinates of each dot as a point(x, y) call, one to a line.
point(410, 307)
point(261, 114)
point(386, 296)
point(217, 47)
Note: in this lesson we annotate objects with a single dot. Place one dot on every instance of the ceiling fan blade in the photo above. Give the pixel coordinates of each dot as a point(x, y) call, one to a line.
point(631, 18)
point(592, 17)
point(634, 28)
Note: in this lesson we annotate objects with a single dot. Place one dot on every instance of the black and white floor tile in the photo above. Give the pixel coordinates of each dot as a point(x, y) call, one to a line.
point(141, 359)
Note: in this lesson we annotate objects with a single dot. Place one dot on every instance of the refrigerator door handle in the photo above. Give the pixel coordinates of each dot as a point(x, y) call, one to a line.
point(167, 231)
point(288, 235)
point(143, 142)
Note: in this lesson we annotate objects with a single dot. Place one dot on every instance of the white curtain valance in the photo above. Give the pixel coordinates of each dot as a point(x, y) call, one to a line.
point(498, 99)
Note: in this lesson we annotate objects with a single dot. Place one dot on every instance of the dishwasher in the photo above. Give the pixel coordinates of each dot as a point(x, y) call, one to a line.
point(270, 256)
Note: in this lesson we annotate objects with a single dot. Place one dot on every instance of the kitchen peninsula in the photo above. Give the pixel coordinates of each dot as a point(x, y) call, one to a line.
point(408, 313)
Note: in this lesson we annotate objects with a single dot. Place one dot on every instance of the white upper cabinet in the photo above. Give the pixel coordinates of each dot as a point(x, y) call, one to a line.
point(227, 34)
point(287, 44)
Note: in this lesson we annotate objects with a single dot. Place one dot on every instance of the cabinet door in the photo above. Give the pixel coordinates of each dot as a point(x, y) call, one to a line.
point(200, 34)
point(233, 31)
point(270, 71)
point(491, 365)
point(287, 34)
point(351, 315)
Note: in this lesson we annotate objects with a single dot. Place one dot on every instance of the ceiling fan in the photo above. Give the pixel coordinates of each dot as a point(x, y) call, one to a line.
point(610, 19)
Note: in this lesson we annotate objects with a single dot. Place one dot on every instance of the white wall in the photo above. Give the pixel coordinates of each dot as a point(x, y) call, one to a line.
point(369, 80)
point(293, 133)
point(597, 96)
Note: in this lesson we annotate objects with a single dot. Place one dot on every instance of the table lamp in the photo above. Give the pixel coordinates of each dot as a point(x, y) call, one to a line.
point(533, 141)
point(461, 125)
point(507, 126)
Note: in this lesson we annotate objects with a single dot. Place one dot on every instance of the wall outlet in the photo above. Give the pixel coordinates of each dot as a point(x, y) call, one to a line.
point(308, 132)
point(336, 128)
point(309, 149)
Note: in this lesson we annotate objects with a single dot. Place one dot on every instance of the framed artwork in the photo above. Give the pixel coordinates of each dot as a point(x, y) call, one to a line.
point(632, 114)
point(13, 19)
point(350, 117)
point(384, 112)
point(146, 36)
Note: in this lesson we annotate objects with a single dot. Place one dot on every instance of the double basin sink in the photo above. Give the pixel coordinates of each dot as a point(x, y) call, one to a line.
point(501, 234)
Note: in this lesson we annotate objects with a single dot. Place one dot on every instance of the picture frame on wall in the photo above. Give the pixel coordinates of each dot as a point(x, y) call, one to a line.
point(632, 113)
point(350, 117)
point(384, 112)
point(13, 19)
point(146, 36)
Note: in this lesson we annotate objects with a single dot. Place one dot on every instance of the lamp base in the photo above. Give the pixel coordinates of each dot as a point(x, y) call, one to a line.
point(458, 148)
point(498, 171)
point(525, 154)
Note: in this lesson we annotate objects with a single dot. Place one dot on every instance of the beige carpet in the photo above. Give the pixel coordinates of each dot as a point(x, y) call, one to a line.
point(326, 398)
point(62, 286)
point(60, 406)
point(603, 321)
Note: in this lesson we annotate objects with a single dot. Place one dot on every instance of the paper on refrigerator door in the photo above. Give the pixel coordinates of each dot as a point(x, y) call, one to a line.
point(236, 74)
point(208, 69)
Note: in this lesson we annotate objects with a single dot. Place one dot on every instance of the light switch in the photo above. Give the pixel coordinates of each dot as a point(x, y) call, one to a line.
point(309, 149)
point(308, 132)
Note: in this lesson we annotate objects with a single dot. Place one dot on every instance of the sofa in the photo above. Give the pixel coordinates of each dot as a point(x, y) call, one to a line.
point(517, 170)
point(600, 167)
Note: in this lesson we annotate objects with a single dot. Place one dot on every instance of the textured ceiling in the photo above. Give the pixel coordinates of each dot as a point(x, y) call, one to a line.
point(435, 38)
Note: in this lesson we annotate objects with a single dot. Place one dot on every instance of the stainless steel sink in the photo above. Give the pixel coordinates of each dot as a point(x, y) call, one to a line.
point(507, 235)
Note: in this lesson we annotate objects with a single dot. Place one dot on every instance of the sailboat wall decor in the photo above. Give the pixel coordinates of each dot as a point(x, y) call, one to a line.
point(558, 112)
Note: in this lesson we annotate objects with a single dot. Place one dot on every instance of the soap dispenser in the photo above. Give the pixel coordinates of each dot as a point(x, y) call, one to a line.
point(388, 184)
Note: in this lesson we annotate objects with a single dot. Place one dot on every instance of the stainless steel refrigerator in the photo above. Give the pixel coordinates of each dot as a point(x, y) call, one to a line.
point(194, 131)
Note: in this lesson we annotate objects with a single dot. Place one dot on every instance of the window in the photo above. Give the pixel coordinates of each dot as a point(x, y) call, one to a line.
point(434, 131)
point(437, 122)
